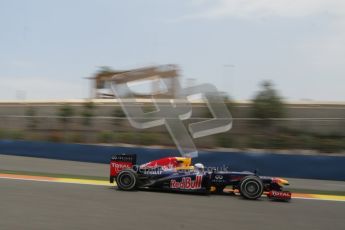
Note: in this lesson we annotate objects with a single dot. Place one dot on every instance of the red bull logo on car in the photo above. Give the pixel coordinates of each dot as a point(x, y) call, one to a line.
point(187, 183)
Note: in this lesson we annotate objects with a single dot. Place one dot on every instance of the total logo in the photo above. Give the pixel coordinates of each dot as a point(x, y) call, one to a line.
point(281, 194)
point(120, 165)
point(187, 183)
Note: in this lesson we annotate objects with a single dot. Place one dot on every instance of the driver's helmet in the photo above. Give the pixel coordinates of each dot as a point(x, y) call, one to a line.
point(199, 167)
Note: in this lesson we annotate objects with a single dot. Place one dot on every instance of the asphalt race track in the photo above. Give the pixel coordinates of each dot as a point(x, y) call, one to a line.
point(31, 164)
point(47, 205)
point(44, 205)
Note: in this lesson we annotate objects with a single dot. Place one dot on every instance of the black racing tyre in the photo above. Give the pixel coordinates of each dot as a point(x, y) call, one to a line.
point(127, 180)
point(251, 187)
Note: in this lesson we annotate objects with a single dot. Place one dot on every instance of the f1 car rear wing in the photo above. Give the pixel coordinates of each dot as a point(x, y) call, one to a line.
point(120, 162)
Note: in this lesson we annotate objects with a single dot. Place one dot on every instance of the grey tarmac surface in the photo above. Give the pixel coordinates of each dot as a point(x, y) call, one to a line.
point(31, 164)
point(43, 205)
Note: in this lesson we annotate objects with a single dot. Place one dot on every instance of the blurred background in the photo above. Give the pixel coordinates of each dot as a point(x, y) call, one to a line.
point(278, 65)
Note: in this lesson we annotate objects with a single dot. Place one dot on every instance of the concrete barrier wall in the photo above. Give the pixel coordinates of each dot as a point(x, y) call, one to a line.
point(317, 118)
point(270, 164)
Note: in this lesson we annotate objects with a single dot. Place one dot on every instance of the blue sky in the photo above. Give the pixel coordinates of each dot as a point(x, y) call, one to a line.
point(47, 48)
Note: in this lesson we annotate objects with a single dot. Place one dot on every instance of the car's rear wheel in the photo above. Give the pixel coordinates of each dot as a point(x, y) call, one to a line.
point(127, 180)
point(251, 187)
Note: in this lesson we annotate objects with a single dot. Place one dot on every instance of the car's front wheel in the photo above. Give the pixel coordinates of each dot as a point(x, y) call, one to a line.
point(251, 187)
point(127, 180)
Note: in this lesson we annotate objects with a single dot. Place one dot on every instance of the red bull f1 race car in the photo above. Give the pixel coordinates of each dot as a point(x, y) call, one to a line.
point(179, 175)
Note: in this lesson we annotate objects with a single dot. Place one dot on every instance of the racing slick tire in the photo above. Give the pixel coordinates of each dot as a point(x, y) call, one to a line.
point(127, 180)
point(251, 187)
